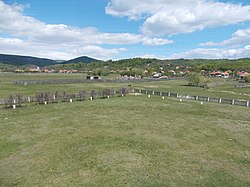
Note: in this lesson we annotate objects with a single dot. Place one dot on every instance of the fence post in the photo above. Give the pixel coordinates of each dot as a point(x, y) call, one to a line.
point(208, 99)
point(220, 100)
point(160, 93)
point(233, 102)
point(197, 97)
point(177, 95)
point(29, 99)
point(168, 94)
point(146, 91)
point(153, 92)
point(247, 103)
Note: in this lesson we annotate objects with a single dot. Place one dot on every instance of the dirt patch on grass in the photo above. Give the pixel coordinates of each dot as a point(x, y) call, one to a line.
point(152, 86)
point(237, 126)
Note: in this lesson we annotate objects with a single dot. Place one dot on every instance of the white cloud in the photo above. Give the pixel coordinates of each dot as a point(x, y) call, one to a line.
point(96, 51)
point(33, 37)
point(151, 56)
point(55, 51)
point(156, 41)
point(240, 37)
point(215, 53)
point(168, 17)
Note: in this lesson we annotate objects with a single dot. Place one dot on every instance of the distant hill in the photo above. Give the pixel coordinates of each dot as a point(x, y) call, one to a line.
point(17, 60)
point(83, 59)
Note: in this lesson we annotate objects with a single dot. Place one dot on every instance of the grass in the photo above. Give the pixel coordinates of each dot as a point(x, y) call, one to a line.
point(130, 141)
point(7, 86)
point(178, 86)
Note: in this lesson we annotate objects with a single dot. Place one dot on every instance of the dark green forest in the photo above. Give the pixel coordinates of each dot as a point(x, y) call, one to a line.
point(156, 64)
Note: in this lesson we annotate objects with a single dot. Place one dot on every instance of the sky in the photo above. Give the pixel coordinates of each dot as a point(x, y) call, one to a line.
point(119, 29)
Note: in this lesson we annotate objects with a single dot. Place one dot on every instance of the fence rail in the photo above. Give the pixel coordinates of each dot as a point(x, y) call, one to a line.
point(242, 85)
point(49, 97)
point(64, 97)
point(197, 98)
point(75, 81)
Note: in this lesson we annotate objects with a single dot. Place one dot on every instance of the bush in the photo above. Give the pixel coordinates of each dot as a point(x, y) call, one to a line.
point(247, 78)
point(14, 100)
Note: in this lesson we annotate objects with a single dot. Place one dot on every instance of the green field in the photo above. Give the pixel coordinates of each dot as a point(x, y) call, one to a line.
point(124, 141)
point(179, 86)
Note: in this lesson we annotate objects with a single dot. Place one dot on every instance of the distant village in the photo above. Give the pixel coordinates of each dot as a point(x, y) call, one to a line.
point(177, 71)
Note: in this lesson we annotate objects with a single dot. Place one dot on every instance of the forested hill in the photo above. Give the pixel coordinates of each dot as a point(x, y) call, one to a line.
point(82, 59)
point(85, 62)
point(194, 64)
point(17, 60)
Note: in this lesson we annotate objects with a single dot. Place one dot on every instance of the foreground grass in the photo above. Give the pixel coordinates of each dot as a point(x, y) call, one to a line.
point(131, 141)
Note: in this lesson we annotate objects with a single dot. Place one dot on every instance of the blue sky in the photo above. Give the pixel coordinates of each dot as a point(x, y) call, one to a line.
point(117, 29)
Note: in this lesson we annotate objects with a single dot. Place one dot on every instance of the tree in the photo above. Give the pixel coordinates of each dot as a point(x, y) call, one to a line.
point(196, 79)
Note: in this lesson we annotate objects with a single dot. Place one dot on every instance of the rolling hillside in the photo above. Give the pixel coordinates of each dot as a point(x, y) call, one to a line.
point(17, 60)
point(83, 59)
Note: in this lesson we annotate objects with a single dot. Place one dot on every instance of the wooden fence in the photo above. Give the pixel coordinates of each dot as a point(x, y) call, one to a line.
point(75, 81)
point(242, 85)
point(197, 98)
point(46, 97)
point(49, 97)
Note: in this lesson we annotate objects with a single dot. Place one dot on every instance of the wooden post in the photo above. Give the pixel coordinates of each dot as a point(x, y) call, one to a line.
point(197, 97)
point(14, 107)
point(247, 103)
point(168, 94)
point(29, 99)
point(160, 93)
point(71, 100)
point(153, 92)
point(233, 102)
point(208, 99)
point(220, 100)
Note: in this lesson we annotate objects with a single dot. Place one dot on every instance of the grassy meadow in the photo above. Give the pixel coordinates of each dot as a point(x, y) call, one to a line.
point(124, 141)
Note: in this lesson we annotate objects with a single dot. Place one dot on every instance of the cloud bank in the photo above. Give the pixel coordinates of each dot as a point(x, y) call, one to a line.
point(168, 17)
point(61, 40)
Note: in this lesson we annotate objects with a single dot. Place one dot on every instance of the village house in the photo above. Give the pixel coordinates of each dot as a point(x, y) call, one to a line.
point(219, 74)
point(88, 77)
point(242, 74)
